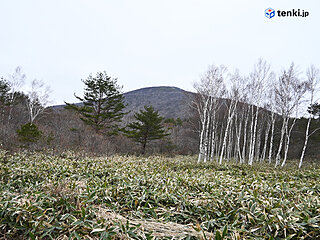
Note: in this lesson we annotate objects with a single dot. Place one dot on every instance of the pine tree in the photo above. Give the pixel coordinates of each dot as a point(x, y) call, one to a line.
point(314, 109)
point(148, 127)
point(29, 133)
point(102, 104)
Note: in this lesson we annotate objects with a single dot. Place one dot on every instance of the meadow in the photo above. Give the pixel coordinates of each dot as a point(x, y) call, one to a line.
point(74, 196)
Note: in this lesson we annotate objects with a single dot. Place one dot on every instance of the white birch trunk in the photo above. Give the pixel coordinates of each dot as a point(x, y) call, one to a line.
point(266, 136)
point(201, 142)
point(251, 137)
point(230, 116)
point(238, 142)
point(305, 142)
point(271, 137)
point(284, 125)
point(245, 138)
point(213, 137)
point(224, 141)
point(202, 130)
point(206, 139)
point(258, 144)
point(230, 140)
point(288, 143)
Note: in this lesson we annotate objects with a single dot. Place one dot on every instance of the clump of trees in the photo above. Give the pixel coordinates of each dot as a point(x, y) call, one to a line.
point(21, 110)
point(102, 108)
point(96, 124)
point(238, 115)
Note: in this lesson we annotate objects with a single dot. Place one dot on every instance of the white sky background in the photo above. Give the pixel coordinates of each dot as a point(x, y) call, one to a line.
point(150, 43)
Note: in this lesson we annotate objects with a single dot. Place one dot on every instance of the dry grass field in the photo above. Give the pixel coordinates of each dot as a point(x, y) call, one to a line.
point(70, 196)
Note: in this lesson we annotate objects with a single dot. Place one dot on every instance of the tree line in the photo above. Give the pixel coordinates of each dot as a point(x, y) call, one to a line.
point(101, 108)
point(239, 115)
point(249, 119)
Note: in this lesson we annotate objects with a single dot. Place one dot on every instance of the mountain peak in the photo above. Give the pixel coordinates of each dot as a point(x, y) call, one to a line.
point(171, 102)
point(157, 88)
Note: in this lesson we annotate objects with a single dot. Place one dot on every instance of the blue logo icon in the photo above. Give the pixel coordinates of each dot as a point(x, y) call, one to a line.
point(270, 13)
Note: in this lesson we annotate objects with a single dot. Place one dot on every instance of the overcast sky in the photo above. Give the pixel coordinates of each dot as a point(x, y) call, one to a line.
point(150, 43)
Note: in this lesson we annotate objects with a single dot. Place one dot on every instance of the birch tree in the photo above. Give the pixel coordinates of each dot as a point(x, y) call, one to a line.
point(243, 126)
point(234, 96)
point(266, 136)
point(238, 125)
point(288, 92)
point(271, 106)
point(258, 78)
point(313, 82)
point(209, 91)
point(246, 121)
point(38, 99)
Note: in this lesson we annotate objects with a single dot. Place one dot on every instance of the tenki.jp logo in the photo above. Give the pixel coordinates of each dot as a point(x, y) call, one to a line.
point(270, 13)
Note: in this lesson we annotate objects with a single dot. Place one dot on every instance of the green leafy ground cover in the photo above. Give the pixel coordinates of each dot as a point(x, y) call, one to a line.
point(74, 197)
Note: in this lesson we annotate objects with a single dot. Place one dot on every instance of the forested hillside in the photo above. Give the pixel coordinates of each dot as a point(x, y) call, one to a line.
point(62, 129)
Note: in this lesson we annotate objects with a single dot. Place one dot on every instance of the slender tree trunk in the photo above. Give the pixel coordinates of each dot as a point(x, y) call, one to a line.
point(305, 142)
point(230, 116)
point(202, 131)
point(206, 138)
point(283, 129)
point(252, 137)
point(230, 140)
point(213, 137)
point(258, 144)
point(273, 119)
point(220, 142)
point(245, 138)
point(238, 142)
point(144, 144)
point(255, 136)
point(288, 143)
point(266, 136)
point(224, 142)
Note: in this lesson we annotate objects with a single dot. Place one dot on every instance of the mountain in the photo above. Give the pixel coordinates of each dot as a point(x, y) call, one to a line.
point(171, 102)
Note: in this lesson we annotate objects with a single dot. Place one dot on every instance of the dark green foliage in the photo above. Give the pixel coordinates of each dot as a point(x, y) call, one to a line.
point(18, 98)
point(173, 122)
point(102, 104)
point(314, 109)
point(4, 91)
point(148, 127)
point(29, 133)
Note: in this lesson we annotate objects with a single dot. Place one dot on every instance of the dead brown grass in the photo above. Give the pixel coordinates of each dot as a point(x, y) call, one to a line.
point(158, 229)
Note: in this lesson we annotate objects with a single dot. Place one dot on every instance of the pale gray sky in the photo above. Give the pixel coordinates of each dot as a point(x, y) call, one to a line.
point(150, 43)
